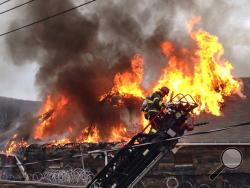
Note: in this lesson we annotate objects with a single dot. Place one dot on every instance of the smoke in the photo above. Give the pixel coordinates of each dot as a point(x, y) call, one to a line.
point(80, 52)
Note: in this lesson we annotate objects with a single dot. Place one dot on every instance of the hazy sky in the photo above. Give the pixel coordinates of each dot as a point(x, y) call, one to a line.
point(15, 81)
point(19, 81)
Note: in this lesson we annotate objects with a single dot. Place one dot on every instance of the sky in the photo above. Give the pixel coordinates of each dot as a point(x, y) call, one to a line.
point(18, 81)
point(15, 81)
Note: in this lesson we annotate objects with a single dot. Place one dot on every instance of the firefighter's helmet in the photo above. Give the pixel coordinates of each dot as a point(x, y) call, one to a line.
point(164, 91)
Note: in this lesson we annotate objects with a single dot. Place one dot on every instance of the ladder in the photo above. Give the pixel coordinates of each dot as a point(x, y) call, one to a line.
point(132, 163)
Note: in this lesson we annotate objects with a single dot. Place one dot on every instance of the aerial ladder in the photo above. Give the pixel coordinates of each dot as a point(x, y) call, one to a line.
point(144, 150)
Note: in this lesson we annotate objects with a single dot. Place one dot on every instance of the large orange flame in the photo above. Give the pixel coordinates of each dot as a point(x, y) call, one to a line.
point(57, 106)
point(89, 136)
point(202, 73)
point(128, 83)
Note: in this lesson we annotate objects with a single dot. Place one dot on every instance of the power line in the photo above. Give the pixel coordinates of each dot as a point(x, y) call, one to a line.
point(16, 6)
point(47, 18)
point(4, 2)
point(189, 135)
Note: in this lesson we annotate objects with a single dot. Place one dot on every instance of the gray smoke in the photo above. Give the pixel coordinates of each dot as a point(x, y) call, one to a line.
point(80, 52)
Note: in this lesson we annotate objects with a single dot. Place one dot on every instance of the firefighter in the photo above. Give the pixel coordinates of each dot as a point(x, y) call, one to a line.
point(152, 105)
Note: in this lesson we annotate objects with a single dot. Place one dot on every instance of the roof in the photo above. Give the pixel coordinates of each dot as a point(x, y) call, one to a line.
point(236, 110)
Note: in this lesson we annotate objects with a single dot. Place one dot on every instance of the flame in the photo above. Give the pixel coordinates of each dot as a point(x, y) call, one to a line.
point(119, 134)
point(62, 141)
point(190, 24)
point(50, 104)
point(13, 145)
point(128, 83)
point(89, 136)
point(208, 80)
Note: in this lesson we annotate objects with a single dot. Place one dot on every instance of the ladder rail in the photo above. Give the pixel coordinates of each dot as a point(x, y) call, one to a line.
point(147, 169)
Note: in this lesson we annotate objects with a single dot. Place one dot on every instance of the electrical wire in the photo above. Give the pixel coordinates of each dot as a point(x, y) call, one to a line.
point(4, 2)
point(189, 135)
point(15, 7)
point(47, 18)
